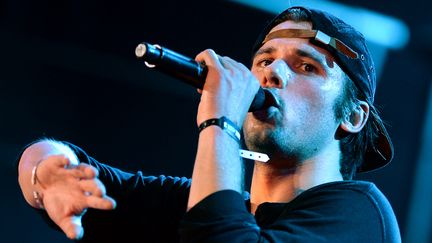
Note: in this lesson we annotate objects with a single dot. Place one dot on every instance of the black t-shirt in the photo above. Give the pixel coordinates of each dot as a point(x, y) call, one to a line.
point(153, 209)
point(347, 211)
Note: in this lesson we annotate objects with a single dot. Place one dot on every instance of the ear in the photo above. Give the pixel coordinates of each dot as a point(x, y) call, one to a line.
point(357, 118)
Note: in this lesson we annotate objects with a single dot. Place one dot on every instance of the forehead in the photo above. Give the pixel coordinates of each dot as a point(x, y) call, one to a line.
point(297, 45)
point(304, 44)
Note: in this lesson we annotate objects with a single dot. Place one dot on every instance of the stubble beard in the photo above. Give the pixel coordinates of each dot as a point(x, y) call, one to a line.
point(270, 140)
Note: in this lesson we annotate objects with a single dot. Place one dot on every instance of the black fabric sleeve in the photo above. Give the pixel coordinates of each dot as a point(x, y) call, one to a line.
point(220, 217)
point(328, 213)
point(149, 208)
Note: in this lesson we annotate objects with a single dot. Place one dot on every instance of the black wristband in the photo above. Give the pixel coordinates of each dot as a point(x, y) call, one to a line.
point(224, 123)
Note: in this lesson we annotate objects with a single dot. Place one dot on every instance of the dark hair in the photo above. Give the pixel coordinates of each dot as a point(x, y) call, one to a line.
point(353, 146)
point(294, 14)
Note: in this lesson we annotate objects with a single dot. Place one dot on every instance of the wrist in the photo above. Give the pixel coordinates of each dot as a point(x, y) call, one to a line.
point(29, 182)
point(32, 163)
point(229, 127)
point(37, 188)
point(209, 109)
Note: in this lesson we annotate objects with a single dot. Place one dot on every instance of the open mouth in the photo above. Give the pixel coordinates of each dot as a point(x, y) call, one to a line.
point(270, 99)
point(271, 105)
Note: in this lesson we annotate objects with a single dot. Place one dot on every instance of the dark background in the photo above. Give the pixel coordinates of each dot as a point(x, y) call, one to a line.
point(68, 71)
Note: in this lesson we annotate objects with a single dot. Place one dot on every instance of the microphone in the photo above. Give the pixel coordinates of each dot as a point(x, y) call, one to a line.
point(185, 69)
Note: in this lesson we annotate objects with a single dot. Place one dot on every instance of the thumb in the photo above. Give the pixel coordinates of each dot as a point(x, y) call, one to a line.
point(72, 227)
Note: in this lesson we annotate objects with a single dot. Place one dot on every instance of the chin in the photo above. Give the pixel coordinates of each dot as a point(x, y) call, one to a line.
point(262, 141)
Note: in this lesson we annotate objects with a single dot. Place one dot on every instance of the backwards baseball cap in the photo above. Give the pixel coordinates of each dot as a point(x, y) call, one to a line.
point(348, 47)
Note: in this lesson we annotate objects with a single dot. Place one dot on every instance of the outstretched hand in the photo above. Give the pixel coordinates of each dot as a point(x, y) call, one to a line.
point(68, 190)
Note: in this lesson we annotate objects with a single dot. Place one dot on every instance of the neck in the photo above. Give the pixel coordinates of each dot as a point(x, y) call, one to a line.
point(273, 182)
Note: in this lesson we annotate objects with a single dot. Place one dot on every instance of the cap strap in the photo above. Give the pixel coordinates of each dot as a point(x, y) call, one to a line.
point(315, 34)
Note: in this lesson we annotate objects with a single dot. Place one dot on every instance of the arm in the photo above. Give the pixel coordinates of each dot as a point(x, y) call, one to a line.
point(228, 91)
point(157, 203)
point(65, 187)
point(217, 180)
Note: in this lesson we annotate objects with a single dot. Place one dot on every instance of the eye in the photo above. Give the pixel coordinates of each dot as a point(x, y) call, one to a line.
point(308, 68)
point(264, 62)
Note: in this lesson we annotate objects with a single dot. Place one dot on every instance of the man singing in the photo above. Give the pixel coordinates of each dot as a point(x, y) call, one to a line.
point(319, 130)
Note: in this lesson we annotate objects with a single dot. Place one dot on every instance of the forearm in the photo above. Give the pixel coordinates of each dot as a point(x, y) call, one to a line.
point(33, 155)
point(217, 165)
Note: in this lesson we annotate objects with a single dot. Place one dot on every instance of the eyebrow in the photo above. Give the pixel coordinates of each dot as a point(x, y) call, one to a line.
point(299, 52)
point(267, 50)
point(312, 56)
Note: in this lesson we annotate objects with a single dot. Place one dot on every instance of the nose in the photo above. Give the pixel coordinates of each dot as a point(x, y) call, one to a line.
point(276, 75)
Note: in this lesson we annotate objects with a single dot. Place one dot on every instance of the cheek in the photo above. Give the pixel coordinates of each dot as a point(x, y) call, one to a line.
point(304, 95)
point(309, 101)
point(324, 91)
point(331, 86)
point(332, 91)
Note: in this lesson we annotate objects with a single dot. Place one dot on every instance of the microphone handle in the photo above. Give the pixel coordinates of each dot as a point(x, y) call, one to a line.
point(184, 68)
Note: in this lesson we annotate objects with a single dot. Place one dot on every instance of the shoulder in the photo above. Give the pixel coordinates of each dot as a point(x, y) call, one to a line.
point(358, 205)
point(357, 196)
point(353, 188)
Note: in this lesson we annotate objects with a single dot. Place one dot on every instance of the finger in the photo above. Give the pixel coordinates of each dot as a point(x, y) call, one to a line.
point(238, 67)
point(210, 58)
point(94, 187)
point(105, 203)
point(234, 63)
point(84, 171)
point(199, 91)
point(72, 227)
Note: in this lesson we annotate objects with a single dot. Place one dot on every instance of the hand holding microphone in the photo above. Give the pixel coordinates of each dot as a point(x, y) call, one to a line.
point(194, 73)
point(185, 69)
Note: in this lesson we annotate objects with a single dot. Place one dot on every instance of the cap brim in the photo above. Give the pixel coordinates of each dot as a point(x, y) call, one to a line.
point(381, 152)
